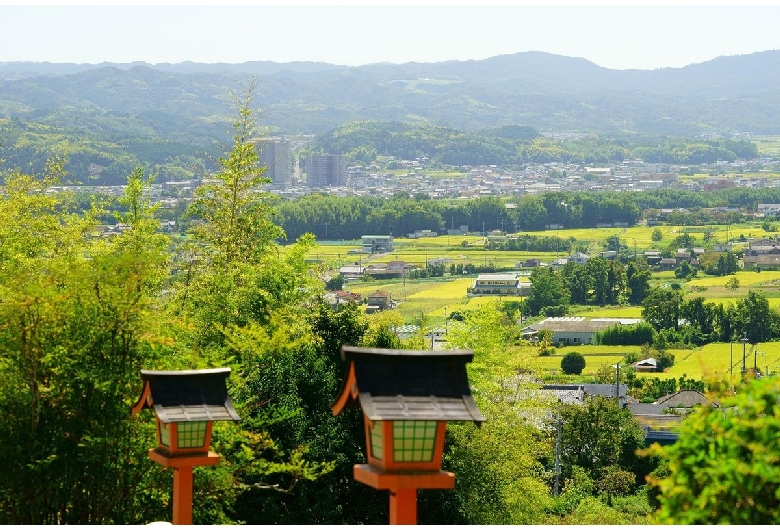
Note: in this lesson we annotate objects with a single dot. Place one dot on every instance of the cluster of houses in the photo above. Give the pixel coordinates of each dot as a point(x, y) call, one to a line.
point(762, 254)
point(658, 419)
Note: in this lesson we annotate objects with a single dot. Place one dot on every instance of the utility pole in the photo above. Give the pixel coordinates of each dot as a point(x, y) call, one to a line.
point(744, 341)
point(755, 365)
point(557, 457)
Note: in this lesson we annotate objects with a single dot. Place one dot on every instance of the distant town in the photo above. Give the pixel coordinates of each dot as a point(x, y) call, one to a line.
point(330, 174)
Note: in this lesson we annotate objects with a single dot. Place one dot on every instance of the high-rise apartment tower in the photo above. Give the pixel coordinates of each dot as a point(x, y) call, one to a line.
point(275, 155)
point(323, 171)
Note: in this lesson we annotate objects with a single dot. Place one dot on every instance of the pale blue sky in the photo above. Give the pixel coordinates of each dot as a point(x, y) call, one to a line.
point(617, 36)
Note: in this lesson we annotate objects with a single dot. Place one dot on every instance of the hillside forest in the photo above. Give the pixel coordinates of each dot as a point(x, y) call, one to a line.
point(106, 156)
point(81, 315)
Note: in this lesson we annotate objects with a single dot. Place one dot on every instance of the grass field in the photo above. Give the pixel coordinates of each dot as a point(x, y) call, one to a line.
point(430, 296)
point(709, 361)
point(714, 290)
point(427, 296)
point(418, 251)
point(767, 145)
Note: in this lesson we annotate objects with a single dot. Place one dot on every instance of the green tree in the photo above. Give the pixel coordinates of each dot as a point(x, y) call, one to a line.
point(723, 467)
point(657, 235)
point(637, 281)
point(756, 318)
point(573, 363)
point(727, 264)
point(598, 436)
point(242, 304)
point(664, 360)
point(77, 322)
point(661, 308)
point(499, 466)
point(732, 284)
point(547, 290)
point(684, 271)
point(335, 284)
point(699, 314)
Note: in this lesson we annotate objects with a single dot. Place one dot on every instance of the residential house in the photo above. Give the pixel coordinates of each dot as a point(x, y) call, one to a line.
point(580, 258)
point(646, 365)
point(352, 272)
point(762, 261)
point(682, 255)
point(578, 392)
point(529, 263)
point(575, 330)
point(341, 298)
point(667, 264)
point(768, 210)
point(349, 296)
point(421, 233)
point(559, 263)
point(503, 284)
point(653, 257)
point(379, 301)
point(391, 269)
point(686, 399)
point(661, 419)
point(377, 244)
point(435, 262)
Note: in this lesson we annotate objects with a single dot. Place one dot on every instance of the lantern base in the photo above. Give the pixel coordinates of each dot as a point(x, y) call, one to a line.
point(188, 460)
point(403, 480)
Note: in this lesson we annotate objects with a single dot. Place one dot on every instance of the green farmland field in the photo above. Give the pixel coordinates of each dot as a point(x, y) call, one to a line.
point(709, 361)
point(437, 297)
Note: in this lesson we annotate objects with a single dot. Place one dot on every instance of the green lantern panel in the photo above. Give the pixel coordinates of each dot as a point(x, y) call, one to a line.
point(377, 446)
point(413, 441)
point(191, 434)
point(165, 434)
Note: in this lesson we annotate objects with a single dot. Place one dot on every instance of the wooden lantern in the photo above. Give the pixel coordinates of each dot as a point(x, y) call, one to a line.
point(407, 398)
point(186, 404)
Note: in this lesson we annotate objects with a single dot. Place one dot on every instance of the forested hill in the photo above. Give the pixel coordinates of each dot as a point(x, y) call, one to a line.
point(534, 89)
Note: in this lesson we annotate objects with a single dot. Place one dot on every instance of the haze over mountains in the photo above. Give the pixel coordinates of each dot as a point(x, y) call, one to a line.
point(725, 96)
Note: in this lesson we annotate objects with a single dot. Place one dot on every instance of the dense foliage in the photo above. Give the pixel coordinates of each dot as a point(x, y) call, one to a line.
point(348, 218)
point(445, 146)
point(724, 467)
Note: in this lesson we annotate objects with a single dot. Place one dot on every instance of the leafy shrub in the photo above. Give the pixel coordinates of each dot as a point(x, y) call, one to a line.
point(555, 311)
point(573, 363)
point(664, 360)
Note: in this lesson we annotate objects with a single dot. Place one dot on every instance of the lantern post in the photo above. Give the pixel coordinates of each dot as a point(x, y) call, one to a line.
point(186, 404)
point(407, 398)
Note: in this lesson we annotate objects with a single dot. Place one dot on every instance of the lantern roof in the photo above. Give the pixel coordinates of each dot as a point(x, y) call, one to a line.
point(393, 384)
point(187, 395)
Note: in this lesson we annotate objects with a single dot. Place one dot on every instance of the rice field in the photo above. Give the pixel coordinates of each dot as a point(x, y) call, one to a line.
point(429, 296)
point(712, 361)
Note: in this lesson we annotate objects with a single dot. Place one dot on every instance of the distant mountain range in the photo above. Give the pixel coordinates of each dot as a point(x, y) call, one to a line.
point(189, 101)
